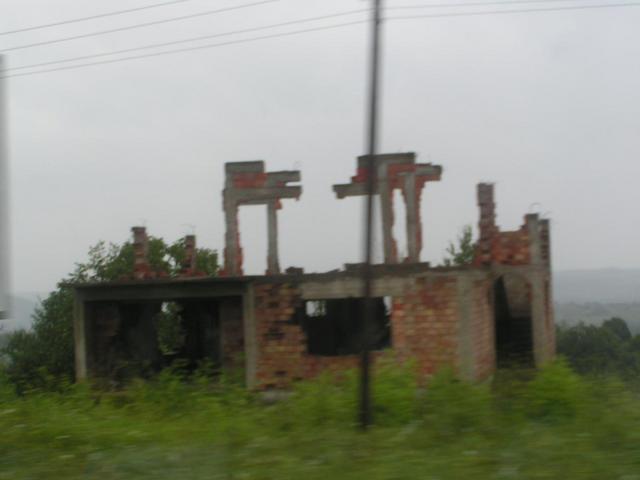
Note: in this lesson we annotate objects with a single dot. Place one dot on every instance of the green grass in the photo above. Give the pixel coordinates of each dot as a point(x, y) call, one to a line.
point(555, 425)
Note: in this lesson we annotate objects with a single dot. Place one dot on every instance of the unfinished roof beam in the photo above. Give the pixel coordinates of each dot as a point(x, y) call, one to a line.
point(395, 171)
point(247, 183)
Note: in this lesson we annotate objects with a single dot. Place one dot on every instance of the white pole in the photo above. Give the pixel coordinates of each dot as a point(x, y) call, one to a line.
point(4, 198)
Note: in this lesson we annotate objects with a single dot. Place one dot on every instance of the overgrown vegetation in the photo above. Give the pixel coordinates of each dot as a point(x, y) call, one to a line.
point(557, 425)
point(43, 356)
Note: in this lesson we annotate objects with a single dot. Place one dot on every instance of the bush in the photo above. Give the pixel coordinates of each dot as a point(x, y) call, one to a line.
point(556, 393)
point(453, 406)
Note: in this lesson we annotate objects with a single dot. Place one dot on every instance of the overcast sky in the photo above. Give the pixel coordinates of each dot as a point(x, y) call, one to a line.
point(545, 105)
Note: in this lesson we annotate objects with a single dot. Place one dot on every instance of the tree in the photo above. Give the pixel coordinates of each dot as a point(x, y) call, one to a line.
point(46, 352)
point(618, 327)
point(462, 253)
point(605, 349)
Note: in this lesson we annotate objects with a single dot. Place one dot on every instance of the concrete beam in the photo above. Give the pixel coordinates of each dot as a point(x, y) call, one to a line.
point(256, 166)
point(263, 195)
point(427, 169)
point(284, 176)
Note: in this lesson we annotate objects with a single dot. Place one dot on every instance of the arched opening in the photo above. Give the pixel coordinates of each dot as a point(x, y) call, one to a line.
point(513, 325)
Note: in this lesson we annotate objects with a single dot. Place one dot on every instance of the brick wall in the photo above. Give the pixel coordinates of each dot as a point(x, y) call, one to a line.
point(425, 323)
point(424, 328)
point(280, 342)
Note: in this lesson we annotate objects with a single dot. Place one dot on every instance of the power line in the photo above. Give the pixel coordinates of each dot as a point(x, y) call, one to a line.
point(186, 40)
point(138, 25)
point(254, 29)
point(296, 32)
point(475, 4)
point(527, 10)
point(91, 17)
point(180, 50)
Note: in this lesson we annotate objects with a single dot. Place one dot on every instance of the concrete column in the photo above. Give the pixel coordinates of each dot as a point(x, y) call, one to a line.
point(273, 264)
point(533, 229)
point(386, 210)
point(466, 357)
point(413, 218)
point(538, 315)
point(80, 337)
point(232, 262)
point(250, 337)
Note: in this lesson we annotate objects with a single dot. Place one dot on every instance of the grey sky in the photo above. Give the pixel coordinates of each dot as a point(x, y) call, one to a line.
point(546, 105)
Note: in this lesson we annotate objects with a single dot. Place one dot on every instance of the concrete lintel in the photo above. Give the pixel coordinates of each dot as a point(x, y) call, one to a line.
point(262, 195)
point(387, 159)
point(284, 176)
point(255, 166)
point(424, 169)
point(351, 288)
point(162, 292)
point(352, 190)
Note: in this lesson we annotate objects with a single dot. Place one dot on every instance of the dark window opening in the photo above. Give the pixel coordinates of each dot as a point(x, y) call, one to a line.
point(138, 339)
point(334, 327)
point(513, 326)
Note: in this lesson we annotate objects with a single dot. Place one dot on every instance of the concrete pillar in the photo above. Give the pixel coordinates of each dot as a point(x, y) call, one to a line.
point(466, 356)
point(533, 229)
point(250, 337)
point(414, 227)
point(80, 337)
point(386, 210)
point(273, 264)
point(232, 262)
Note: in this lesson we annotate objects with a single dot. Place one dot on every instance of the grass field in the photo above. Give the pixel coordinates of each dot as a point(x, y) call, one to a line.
point(555, 425)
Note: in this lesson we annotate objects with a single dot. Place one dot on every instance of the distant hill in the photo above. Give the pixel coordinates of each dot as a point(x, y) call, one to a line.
point(601, 286)
point(594, 313)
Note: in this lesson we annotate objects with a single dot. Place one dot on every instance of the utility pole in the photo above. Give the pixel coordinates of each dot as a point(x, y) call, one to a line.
point(365, 415)
point(4, 197)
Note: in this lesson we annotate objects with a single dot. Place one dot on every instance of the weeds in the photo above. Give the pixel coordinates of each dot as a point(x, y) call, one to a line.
point(554, 425)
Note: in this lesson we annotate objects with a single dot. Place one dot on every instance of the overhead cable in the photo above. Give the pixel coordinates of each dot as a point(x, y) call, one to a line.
point(185, 40)
point(188, 49)
point(527, 10)
point(91, 17)
point(138, 25)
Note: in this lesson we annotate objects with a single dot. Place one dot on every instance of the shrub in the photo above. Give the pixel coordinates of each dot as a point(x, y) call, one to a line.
point(556, 393)
point(453, 406)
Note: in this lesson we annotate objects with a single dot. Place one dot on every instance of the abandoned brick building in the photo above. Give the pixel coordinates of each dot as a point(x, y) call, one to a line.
point(284, 326)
